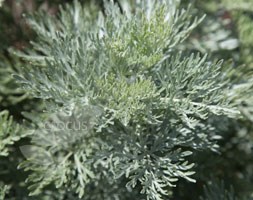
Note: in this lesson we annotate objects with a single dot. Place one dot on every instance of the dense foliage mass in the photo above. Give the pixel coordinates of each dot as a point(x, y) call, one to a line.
point(126, 99)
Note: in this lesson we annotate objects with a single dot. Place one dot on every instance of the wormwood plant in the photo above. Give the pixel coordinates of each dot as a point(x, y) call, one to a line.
point(133, 106)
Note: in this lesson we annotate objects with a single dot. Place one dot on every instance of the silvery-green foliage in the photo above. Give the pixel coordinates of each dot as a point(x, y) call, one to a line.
point(146, 105)
point(3, 190)
point(10, 93)
point(10, 132)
